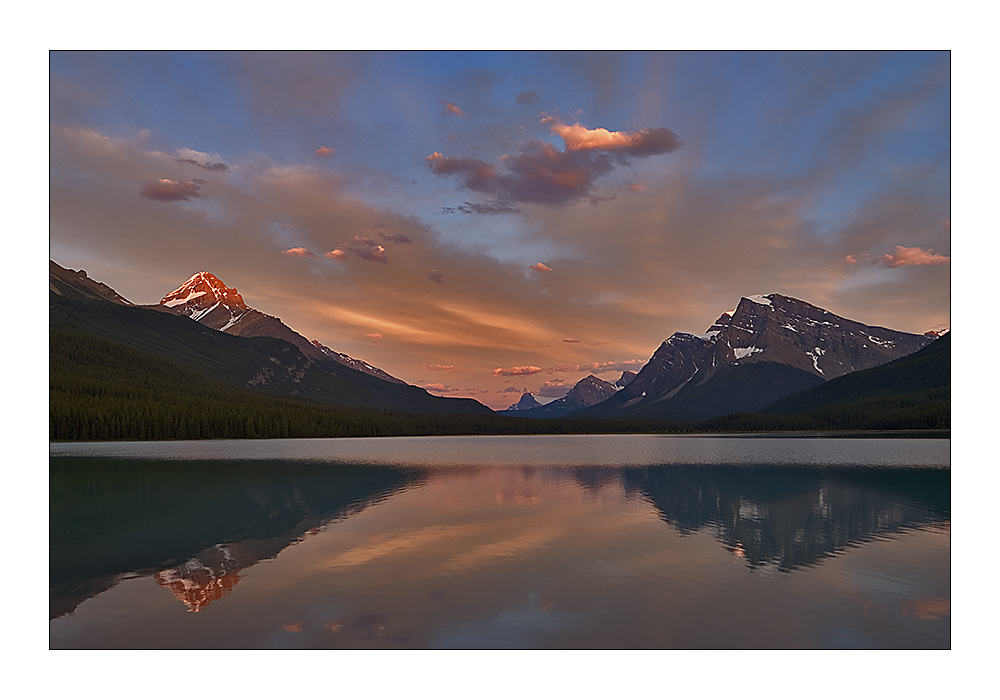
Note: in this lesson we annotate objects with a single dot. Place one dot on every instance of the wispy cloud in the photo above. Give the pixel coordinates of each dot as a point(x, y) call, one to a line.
point(442, 368)
point(395, 237)
point(217, 167)
point(516, 371)
point(166, 190)
point(541, 267)
point(374, 337)
point(486, 208)
point(324, 151)
point(526, 98)
point(902, 257)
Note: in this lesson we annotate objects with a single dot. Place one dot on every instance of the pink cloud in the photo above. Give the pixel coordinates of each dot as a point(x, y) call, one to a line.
point(374, 337)
point(165, 190)
point(570, 340)
point(516, 371)
point(636, 187)
point(443, 368)
point(324, 151)
point(436, 386)
point(541, 267)
point(300, 252)
point(902, 257)
point(911, 256)
point(451, 108)
point(645, 142)
point(336, 254)
point(553, 388)
point(542, 174)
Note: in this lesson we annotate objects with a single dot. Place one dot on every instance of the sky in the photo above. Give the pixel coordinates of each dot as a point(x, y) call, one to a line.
point(483, 224)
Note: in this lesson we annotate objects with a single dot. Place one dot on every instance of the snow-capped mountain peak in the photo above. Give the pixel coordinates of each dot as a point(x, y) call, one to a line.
point(202, 292)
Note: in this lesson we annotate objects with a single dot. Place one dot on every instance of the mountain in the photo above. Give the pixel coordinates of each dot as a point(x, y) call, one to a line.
point(527, 401)
point(117, 370)
point(625, 379)
point(770, 346)
point(207, 300)
point(911, 393)
point(587, 392)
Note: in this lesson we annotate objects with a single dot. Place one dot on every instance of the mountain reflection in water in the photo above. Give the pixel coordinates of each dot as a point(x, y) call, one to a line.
point(792, 516)
point(499, 555)
point(192, 524)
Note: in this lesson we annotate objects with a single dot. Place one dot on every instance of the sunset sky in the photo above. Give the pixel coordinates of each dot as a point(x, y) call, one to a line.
point(484, 224)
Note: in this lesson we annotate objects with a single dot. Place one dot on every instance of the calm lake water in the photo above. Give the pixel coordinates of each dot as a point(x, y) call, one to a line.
point(600, 542)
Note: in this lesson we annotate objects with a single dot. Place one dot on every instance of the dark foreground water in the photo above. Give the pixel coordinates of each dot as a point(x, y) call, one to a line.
point(477, 542)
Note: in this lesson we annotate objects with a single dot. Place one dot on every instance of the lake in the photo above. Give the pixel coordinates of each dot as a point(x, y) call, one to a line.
point(592, 541)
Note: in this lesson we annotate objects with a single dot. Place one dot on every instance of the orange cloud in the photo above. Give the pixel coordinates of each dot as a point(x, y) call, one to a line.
point(902, 257)
point(636, 187)
point(646, 142)
point(516, 371)
point(442, 368)
point(570, 340)
point(374, 337)
point(436, 386)
point(336, 254)
point(541, 267)
point(911, 256)
point(451, 108)
point(165, 190)
point(300, 252)
point(324, 151)
point(543, 174)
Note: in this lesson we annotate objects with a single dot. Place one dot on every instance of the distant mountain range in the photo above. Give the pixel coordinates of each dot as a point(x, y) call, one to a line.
point(113, 364)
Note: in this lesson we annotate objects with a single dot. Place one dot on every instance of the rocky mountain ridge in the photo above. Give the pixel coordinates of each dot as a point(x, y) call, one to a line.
point(769, 346)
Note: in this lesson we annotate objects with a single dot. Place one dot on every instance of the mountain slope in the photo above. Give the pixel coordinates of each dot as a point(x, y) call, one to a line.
point(207, 300)
point(87, 334)
point(925, 371)
point(911, 393)
point(771, 345)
